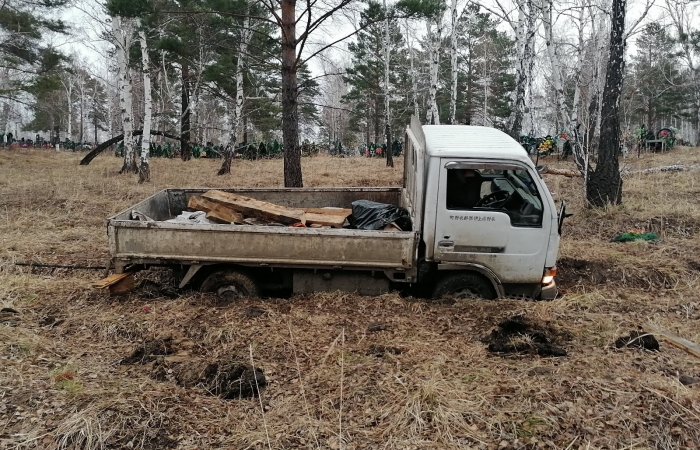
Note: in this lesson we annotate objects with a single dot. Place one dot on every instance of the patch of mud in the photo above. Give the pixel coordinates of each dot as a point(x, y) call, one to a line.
point(381, 350)
point(225, 379)
point(638, 339)
point(148, 351)
point(520, 335)
point(572, 272)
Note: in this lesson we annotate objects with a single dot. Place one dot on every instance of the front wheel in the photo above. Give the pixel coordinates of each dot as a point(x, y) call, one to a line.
point(465, 286)
point(230, 285)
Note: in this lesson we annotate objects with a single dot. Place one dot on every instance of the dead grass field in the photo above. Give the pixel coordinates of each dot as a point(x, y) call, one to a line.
point(426, 381)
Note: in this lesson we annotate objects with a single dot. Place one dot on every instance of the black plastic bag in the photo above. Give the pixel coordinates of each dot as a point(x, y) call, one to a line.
point(368, 215)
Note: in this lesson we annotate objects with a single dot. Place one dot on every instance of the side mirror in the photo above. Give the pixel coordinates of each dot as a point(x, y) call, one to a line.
point(562, 215)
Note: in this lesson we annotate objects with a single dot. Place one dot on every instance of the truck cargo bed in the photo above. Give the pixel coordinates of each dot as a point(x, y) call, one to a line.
point(159, 242)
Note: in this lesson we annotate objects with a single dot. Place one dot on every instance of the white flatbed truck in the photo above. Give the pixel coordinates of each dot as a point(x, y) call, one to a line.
point(484, 225)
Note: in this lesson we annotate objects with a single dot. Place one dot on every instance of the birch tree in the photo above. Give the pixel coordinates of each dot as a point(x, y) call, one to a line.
point(235, 119)
point(570, 120)
point(433, 116)
point(524, 26)
point(144, 168)
point(414, 82)
point(453, 64)
point(67, 82)
point(525, 30)
point(123, 30)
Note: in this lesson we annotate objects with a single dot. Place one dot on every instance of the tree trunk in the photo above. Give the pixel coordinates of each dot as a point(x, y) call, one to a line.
point(185, 149)
point(453, 63)
point(377, 118)
point(144, 167)
point(433, 116)
point(123, 32)
point(387, 110)
point(414, 84)
point(82, 111)
point(605, 184)
point(116, 139)
point(70, 110)
point(238, 110)
point(290, 112)
point(524, 35)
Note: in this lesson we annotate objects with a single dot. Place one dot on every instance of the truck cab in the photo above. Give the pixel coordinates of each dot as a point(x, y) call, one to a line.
point(489, 223)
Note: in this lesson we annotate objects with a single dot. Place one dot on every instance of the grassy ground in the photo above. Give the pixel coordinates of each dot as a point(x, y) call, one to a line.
point(425, 381)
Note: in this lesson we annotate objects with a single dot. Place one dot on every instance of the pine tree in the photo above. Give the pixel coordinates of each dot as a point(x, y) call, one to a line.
point(657, 87)
point(366, 75)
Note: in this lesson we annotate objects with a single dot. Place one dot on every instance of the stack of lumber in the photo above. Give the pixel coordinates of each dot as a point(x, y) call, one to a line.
point(226, 207)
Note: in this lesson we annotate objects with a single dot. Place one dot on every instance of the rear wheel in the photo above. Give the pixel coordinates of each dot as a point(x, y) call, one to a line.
point(465, 286)
point(230, 285)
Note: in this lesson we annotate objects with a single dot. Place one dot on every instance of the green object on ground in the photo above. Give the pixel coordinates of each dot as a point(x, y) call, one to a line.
point(632, 236)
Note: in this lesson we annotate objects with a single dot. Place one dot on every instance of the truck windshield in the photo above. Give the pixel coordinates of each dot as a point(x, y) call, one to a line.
point(512, 191)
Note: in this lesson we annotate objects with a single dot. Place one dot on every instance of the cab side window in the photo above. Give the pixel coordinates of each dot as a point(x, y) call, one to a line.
point(505, 190)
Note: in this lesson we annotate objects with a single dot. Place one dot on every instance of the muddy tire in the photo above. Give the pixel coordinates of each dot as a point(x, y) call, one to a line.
point(465, 286)
point(230, 285)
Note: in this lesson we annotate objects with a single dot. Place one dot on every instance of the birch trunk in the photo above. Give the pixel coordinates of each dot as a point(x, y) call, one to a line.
point(525, 33)
point(414, 84)
point(453, 63)
point(235, 120)
point(144, 168)
point(123, 32)
point(433, 118)
point(69, 94)
point(387, 110)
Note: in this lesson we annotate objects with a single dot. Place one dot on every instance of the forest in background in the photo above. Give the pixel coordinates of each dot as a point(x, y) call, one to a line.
point(217, 74)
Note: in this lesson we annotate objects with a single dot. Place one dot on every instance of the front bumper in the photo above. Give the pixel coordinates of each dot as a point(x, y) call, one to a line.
point(549, 291)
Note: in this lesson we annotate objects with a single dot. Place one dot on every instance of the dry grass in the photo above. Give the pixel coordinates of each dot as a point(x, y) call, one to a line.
point(437, 388)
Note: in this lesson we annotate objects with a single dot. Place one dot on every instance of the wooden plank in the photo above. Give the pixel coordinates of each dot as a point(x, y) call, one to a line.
point(110, 280)
point(330, 220)
point(215, 211)
point(689, 346)
point(221, 214)
point(256, 208)
point(329, 211)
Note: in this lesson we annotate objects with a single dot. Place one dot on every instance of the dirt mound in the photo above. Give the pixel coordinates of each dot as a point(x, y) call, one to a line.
point(381, 350)
point(228, 380)
point(519, 335)
point(148, 351)
point(638, 339)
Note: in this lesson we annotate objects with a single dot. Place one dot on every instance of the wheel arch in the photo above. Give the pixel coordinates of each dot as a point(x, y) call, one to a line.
point(481, 270)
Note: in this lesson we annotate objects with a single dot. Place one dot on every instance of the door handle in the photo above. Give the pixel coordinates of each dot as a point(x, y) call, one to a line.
point(446, 244)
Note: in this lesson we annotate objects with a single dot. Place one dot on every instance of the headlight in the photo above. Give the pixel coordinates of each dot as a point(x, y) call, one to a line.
point(549, 274)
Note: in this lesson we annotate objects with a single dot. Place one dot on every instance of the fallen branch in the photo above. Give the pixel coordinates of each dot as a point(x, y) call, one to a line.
point(106, 144)
point(672, 168)
point(624, 172)
point(564, 172)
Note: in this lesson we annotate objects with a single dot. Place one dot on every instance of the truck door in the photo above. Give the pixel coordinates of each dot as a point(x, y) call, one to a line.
point(492, 214)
